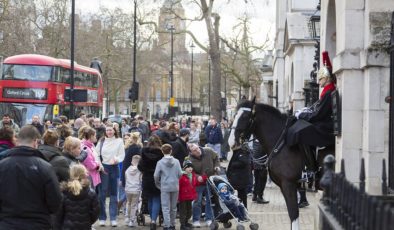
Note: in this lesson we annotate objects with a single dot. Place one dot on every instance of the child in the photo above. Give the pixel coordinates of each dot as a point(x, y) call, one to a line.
point(232, 202)
point(166, 176)
point(80, 204)
point(133, 178)
point(187, 193)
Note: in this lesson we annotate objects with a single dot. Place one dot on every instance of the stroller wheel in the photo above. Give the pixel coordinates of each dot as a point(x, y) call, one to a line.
point(240, 227)
point(227, 224)
point(214, 225)
point(254, 226)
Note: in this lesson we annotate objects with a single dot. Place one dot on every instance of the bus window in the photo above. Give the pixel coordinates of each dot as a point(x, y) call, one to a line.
point(65, 75)
point(95, 81)
point(27, 72)
point(23, 113)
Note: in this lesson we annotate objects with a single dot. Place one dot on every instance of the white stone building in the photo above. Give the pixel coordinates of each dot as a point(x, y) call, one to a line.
point(356, 34)
point(293, 52)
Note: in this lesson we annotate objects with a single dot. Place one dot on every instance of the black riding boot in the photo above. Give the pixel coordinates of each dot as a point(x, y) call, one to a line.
point(310, 159)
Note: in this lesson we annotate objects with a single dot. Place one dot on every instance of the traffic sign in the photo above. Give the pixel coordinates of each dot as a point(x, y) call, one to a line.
point(56, 110)
point(134, 107)
point(172, 101)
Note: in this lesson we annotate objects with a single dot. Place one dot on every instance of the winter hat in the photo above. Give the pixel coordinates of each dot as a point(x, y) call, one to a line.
point(183, 132)
point(56, 121)
point(187, 164)
point(221, 185)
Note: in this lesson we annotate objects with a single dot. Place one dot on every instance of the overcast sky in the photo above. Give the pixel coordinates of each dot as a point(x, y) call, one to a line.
point(262, 13)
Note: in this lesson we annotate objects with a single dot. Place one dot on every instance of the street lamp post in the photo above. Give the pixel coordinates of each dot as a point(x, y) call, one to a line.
point(191, 81)
point(209, 86)
point(135, 43)
point(172, 28)
point(312, 90)
point(72, 60)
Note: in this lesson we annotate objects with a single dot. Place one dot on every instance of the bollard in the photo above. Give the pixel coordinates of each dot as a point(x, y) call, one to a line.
point(327, 178)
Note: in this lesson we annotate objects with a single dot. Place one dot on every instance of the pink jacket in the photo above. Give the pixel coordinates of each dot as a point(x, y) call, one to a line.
point(90, 162)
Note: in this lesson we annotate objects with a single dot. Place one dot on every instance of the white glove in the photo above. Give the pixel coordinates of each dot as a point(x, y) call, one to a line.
point(297, 113)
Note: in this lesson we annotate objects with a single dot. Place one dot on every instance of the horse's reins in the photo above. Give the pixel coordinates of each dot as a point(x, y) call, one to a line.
point(279, 143)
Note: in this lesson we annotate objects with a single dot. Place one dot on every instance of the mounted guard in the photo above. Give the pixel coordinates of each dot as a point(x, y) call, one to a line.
point(314, 125)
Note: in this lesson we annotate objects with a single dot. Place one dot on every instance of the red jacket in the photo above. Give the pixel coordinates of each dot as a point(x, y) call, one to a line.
point(187, 188)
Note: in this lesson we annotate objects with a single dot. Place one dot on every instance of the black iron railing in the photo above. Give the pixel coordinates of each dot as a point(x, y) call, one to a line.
point(346, 206)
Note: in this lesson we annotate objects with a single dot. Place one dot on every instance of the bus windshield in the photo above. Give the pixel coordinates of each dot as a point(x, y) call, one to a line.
point(27, 72)
point(22, 113)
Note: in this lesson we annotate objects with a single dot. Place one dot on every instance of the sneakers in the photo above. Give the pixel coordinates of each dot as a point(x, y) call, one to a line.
point(208, 222)
point(114, 223)
point(196, 224)
point(131, 224)
point(102, 222)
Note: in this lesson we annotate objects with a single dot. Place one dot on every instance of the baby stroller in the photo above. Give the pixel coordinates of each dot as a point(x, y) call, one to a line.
point(143, 210)
point(220, 211)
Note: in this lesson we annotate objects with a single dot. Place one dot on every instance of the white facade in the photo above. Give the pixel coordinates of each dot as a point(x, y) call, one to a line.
point(293, 52)
point(356, 34)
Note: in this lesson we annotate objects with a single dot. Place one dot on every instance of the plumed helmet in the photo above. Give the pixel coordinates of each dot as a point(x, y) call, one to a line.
point(326, 70)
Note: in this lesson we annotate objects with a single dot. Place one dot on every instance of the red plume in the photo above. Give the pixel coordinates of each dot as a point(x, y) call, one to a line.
point(326, 60)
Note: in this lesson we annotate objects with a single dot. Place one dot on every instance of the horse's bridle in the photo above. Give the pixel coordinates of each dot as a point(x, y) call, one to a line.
point(245, 135)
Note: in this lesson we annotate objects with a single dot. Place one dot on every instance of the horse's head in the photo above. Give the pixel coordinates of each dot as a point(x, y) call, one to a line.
point(241, 128)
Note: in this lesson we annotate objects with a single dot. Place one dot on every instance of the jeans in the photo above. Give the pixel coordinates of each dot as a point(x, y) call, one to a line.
point(154, 207)
point(201, 190)
point(109, 182)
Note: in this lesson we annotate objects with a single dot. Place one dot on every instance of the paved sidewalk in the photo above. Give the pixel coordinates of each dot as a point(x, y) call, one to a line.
point(272, 216)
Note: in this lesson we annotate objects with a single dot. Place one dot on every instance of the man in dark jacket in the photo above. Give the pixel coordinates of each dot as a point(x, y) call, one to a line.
point(163, 133)
point(214, 135)
point(35, 121)
point(179, 147)
point(29, 190)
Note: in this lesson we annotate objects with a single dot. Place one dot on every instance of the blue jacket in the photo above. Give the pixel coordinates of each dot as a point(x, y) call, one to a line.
point(213, 134)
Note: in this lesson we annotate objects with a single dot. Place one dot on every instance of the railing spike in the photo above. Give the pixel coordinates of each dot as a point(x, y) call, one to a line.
point(343, 167)
point(362, 176)
point(384, 178)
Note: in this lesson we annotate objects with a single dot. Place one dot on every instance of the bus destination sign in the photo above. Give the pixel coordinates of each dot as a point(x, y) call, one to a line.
point(25, 93)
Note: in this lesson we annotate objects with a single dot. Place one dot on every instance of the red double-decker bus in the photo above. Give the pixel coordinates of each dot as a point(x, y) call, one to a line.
point(38, 85)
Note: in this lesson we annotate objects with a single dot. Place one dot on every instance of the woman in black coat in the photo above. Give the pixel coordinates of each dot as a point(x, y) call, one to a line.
point(150, 155)
point(238, 168)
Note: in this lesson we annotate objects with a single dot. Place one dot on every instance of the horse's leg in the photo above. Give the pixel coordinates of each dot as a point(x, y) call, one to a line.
point(289, 191)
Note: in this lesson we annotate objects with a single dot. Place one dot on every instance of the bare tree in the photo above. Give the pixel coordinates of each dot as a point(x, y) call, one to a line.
point(241, 62)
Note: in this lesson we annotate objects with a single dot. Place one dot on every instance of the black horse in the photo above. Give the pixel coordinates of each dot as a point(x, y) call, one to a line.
point(285, 164)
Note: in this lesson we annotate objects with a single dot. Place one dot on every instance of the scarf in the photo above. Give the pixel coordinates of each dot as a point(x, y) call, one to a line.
point(8, 143)
point(327, 88)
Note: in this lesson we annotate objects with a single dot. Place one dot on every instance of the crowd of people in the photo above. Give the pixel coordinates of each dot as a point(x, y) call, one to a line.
point(59, 174)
